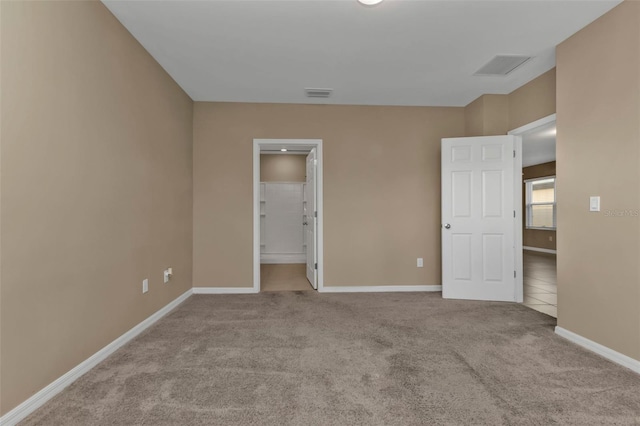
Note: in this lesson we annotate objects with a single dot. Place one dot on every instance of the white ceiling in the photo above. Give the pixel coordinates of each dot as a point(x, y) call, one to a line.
point(539, 145)
point(397, 53)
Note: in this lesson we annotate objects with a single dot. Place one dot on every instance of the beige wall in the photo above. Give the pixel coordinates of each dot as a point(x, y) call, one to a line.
point(497, 114)
point(381, 188)
point(474, 118)
point(283, 168)
point(533, 101)
point(537, 237)
point(488, 115)
point(598, 153)
point(96, 188)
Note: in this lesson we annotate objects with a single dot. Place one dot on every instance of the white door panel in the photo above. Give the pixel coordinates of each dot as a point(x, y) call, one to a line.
point(310, 219)
point(461, 256)
point(461, 194)
point(478, 237)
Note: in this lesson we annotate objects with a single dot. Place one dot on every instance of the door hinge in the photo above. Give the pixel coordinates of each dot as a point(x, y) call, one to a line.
point(315, 214)
point(514, 213)
point(315, 266)
point(514, 153)
point(514, 274)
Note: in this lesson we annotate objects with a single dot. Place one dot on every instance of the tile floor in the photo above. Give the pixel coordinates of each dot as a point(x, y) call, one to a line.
point(284, 277)
point(540, 282)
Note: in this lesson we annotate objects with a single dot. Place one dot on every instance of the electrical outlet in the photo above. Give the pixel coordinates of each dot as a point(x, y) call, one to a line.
point(167, 274)
point(145, 285)
point(420, 263)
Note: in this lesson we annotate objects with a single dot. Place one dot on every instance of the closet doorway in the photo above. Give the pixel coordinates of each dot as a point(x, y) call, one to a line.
point(287, 189)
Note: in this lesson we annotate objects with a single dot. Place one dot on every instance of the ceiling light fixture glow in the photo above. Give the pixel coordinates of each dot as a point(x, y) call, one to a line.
point(370, 2)
point(284, 150)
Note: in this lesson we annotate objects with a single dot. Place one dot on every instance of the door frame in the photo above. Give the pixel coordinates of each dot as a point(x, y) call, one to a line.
point(258, 144)
point(518, 198)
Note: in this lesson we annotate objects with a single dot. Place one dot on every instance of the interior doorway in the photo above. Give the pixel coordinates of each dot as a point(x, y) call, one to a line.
point(539, 203)
point(288, 215)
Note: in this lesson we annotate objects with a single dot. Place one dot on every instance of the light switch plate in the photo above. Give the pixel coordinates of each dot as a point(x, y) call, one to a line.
point(594, 204)
point(145, 285)
point(420, 262)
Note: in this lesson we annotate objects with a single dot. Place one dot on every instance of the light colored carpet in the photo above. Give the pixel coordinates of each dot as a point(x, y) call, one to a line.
point(284, 277)
point(304, 358)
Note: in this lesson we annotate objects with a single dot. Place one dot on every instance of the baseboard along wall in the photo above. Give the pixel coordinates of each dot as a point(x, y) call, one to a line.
point(608, 353)
point(224, 290)
point(51, 390)
point(379, 289)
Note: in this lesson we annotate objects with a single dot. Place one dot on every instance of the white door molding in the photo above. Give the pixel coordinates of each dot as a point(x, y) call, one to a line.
point(533, 125)
point(258, 145)
point(518, 196)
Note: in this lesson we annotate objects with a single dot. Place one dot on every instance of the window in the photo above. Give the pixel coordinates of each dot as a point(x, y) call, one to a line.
point(541, 203)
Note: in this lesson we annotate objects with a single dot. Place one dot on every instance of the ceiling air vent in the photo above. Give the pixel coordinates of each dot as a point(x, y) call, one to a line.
point(317, 93)
point(502, 65)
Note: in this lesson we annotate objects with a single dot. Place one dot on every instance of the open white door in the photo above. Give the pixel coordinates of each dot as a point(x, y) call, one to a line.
point(478, 209)
point(311, 220)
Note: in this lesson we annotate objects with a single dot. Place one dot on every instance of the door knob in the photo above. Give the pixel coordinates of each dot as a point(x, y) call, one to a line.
point(447, 226)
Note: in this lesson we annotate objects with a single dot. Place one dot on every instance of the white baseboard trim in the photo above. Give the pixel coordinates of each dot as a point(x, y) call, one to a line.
point(379, 288)
point(272, 258)
point(541, 250)
point(224, 290)
point(51, 390)
point(601, 350)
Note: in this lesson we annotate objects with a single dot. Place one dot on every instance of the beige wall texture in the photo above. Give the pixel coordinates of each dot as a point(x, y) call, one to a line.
point(533, 101)
point(537, 237)
point(96, 188)
point(598, 153)
point(488, 115)
point(474, 118)
point(283, 168)
point(381, 188)
point(497, 114)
